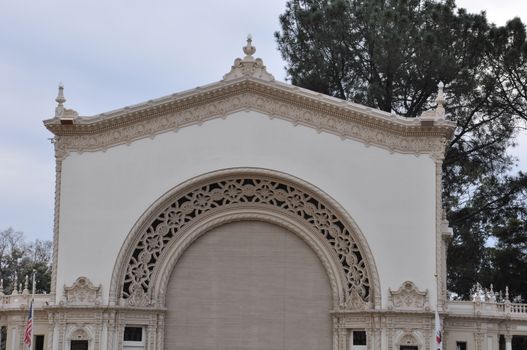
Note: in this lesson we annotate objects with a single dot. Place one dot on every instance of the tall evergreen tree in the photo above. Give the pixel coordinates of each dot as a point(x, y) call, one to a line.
point(391, 54)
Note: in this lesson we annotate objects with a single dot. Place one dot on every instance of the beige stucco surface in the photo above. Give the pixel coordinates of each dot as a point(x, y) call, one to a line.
point(390, 196)
point(248, 285)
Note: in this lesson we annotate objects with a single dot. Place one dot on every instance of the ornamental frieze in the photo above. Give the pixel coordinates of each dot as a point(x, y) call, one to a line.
point(245, 191)
point(321, 113)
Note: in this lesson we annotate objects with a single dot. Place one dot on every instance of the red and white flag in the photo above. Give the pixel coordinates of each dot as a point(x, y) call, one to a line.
point(438, 335)
point(28, 331)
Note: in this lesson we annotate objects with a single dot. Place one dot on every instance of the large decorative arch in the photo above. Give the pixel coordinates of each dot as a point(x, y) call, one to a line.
point(174, 221)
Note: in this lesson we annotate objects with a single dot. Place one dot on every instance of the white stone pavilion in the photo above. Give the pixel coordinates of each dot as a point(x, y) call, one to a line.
point(252, 214)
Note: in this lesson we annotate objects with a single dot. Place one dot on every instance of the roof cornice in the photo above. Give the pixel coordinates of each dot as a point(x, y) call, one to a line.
point(222, 90)
point(275, 99)
point(248, 86)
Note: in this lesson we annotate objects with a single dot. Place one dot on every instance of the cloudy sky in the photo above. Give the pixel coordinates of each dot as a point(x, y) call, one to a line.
point(110, 54)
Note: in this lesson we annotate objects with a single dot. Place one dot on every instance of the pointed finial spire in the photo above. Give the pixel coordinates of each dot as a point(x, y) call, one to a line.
point(15, 286)
point(60, 97)
point(248, 67)
point(1, 286)
point(26, 285)
point(66, 116)
point(440, 100)
point(438, 112)
point(481, 292)
point(492, 295)
point(59, 110)
point(506, 293)
point(249, 49)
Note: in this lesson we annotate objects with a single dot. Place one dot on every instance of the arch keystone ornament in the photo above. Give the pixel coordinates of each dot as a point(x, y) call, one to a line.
point(188, 211)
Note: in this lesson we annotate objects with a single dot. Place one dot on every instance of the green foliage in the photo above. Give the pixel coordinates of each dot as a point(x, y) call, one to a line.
point(19, 258)
point(391, 54)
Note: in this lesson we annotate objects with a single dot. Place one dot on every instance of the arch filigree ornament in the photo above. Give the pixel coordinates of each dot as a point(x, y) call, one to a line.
point(409, 337)
point(172, 223)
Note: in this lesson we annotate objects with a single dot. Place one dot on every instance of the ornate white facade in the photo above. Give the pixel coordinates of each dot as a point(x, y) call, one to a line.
point(203, 219)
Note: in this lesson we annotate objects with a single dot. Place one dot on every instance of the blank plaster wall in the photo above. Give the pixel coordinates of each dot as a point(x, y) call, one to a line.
point(390, 196)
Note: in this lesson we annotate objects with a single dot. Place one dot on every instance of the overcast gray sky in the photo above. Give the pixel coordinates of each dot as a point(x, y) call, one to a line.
point(110, 54)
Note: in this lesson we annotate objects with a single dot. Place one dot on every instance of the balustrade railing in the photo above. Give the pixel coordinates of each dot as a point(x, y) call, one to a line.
point(518, 308)
point(487, 308)
point(500, 307)
point(22, 300)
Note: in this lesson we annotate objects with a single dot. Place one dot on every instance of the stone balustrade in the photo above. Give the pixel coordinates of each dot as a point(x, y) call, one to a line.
point(21, 301)
point(487, 308)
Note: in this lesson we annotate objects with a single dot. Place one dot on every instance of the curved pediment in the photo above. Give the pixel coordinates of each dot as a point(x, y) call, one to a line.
point(248, 86)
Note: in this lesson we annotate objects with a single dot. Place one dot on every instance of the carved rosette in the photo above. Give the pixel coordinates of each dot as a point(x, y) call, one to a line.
point(250, 191)
point(82, 292)
point(408, 297)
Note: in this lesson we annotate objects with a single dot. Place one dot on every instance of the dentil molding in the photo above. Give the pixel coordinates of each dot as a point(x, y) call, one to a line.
point(274, 99)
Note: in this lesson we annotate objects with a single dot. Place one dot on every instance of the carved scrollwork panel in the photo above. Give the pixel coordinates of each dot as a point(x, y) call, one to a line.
point(408, 297)
point(208, 197)
point(82, 292)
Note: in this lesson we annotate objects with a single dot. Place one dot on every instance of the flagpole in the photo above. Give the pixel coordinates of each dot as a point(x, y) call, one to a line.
point(438, 333)
point(33, 308)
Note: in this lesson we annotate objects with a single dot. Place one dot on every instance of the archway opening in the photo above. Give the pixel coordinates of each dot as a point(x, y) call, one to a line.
point(248, 285)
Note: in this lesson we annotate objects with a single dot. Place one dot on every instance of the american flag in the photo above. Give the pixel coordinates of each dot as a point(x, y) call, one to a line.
point(438, 338)
point(28, 331)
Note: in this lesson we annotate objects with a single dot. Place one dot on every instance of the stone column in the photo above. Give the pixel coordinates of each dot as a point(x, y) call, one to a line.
point(111, 325)
point(508, 342)
point(51, 330)
point(342, 334)
point(98, 331)
point(335, 333)
point(14, 337)
point(160, 331)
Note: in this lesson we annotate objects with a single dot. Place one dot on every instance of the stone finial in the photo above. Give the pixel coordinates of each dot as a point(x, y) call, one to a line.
point(477, 293)
point(438, 112)
point(26, 285)
point(249, 49)
point(249, 66)
point(507, 293)
point(59, 110)
point(60, 98)
point(440, 100)
point(1, 286)
point(492, 294)
point(15, 286)
point(65, 115)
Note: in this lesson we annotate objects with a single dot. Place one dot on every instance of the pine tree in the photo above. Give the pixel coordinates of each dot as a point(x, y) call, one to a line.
point(391, 54)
